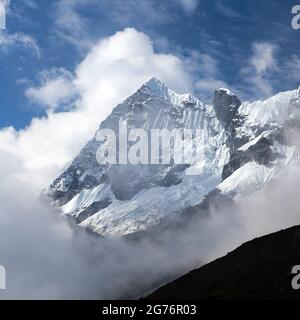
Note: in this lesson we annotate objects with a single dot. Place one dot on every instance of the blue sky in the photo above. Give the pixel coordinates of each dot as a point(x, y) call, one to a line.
point(248, 46)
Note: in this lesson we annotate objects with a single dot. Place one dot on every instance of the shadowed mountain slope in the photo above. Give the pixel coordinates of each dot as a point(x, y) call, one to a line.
point(259, 269)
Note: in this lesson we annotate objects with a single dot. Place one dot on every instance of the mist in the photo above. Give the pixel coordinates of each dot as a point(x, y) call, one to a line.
point(45, 258)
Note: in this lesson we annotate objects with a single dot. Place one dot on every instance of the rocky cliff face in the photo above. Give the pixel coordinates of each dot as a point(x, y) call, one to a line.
point(233, 137)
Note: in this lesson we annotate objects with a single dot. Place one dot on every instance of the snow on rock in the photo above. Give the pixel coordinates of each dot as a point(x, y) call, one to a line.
point(246, 180)
point(227, 91)
point(149, 207)
point(273, 110)
point(114, 200)
point(246, 146)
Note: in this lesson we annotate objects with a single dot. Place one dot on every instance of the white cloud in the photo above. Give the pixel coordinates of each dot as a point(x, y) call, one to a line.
point(189, 6)
point(56, 89)
point(120, 64)
point(263, 57)
point(259, 71)
point(113, 70)
point(8, 41)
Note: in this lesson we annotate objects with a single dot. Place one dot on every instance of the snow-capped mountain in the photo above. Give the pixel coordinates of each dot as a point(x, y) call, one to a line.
point(242, 145)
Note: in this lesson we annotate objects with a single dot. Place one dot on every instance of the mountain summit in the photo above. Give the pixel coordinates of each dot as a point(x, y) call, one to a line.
point(241, 144)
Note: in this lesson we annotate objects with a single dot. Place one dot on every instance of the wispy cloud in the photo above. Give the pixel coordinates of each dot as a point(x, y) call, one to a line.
point(208, 73)
point(260, 68)
point(293, 68)
point(8, 41)
point(70, 25)
point(145, 12)
point(189, 6)
point(73, 26)
point(17, 40)
point(226, 10)
point(32, 4)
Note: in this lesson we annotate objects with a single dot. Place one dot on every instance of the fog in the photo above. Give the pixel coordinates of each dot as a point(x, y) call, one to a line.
point(45, 258)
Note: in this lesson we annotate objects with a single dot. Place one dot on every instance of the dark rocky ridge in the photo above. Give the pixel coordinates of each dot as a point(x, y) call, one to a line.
point(226, 107)
point(259, 269)
point(261, 153)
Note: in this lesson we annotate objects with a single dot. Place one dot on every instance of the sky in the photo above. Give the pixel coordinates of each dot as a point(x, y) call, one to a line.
point(247, 46)
point(65, 64)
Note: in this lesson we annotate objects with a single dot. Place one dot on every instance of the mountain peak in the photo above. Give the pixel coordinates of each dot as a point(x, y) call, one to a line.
point(157, 87)
point(226, 105)
point(160, 90)
point(122, 198)
point(225, 91)
point(154, 82)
